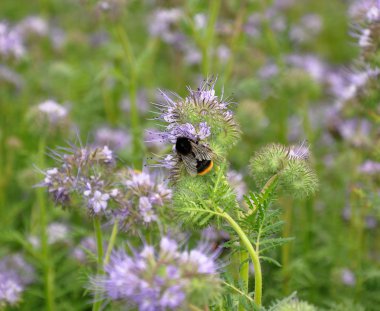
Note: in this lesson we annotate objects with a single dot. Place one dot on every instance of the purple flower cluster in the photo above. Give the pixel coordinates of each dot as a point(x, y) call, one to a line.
point(167, 279)
point(200, 117)
point(146, 196)
point(165, 24)
point(14, 38)
point(366, 19)
point(303, 31)
point(81, 171)
point(11, 42)
point(15, 275)
point(91, 175)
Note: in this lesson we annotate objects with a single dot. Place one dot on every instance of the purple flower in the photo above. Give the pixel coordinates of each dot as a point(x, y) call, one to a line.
point(201, 117)
point(146, 196)
point(146, 210)
point(53, 111)
point(86, 245)
point(116, 139)
point(162, 24)
point(11, 42)
point(159, 280)
point(15, 275)
point(347, 277)
point(237, 183)
point(98, 201)
point(309, 26)
point(370, 167)
point(189, 131)
point(33, 25)
point(172, 297)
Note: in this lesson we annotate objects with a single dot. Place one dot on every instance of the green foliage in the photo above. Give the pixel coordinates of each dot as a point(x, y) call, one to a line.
point(289, 164)
point(263, 223)
point(293, 305)
point(195, 198)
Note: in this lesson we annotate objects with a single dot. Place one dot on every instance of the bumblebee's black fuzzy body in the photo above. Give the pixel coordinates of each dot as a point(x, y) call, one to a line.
point(193, 155)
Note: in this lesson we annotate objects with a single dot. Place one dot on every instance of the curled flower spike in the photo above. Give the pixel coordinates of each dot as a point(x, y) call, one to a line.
point(201, 128)
point(163, 279)
point(289, 164)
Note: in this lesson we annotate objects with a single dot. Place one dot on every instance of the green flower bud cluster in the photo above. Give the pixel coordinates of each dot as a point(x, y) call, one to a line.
point(290, 166)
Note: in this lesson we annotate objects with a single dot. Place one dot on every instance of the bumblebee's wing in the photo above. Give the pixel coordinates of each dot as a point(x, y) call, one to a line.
point(201, 152)
point(190, 164)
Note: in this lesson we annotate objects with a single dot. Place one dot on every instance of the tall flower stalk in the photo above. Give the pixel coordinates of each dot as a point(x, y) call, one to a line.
point(207, 124)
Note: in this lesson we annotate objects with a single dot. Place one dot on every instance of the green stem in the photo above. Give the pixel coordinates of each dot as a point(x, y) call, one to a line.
point(47, 262)
point(252, 253)
point(134, 114)
point(244, 273)
point(247, 244)
point(208, 42)
point(99, 245)
point(111, 242)
point(234, 43)
point(238, 291)
point(286, 247)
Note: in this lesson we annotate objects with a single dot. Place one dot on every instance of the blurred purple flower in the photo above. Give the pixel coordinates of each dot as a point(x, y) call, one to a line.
point(370, 167)
point(162, 25)
point(348, 278)
point(15, 275)
point(11, 42)
point(309, 26)
point(86, 246)
point(33, 25)
point(116, 139)
point(236, 181)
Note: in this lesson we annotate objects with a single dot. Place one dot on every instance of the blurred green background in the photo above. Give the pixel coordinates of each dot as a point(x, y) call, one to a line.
point(284, 63)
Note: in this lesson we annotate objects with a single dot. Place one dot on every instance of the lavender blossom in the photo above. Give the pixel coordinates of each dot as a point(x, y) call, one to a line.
point(11, 42)
point(56, 233)
point(370, 168)
point(237, 183)
point(347, 277)
point(53, 111)
point(160, 280)
point(201, 117)
point(15, 275)
point(162, 24)
point(84, 172)
point(146, 196)
point(10, 76)
point(116, 139)
point(86, 245)
point(309, 27)
point(33, 25)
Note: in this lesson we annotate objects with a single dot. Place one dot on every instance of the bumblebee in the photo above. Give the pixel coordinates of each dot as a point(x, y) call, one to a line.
point(196, 157)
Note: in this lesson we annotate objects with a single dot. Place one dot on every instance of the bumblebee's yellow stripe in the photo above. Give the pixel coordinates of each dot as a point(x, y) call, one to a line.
point(207, 169)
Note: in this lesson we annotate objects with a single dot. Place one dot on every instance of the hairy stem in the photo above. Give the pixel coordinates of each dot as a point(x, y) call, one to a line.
point(238, 291)
point(244, 273)
point(252, 253)
point(248, 246)
point(111, 242)
point(99, 245)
